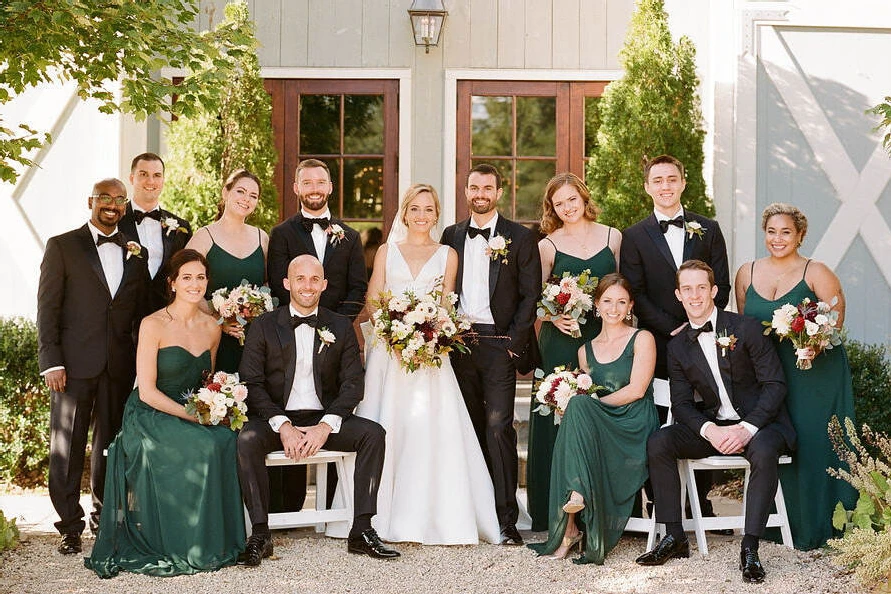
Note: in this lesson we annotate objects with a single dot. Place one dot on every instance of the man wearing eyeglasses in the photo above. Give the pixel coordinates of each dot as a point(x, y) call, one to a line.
point(90, 300)
point(159, 230)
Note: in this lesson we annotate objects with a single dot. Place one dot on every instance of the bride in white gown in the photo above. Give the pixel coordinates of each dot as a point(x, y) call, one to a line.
point(435, 488)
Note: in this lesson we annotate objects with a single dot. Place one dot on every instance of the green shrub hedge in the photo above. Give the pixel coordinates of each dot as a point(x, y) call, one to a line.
point(871, 376)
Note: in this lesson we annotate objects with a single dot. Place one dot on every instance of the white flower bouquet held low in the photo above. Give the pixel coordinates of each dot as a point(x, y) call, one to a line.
point(220, 401)
point(554, 390)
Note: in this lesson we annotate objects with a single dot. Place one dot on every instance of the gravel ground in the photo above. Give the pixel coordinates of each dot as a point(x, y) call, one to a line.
point(307, 562)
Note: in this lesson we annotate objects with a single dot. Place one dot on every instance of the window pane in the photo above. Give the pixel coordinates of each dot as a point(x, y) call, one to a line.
point(320, 124)
point(363, 123)
point(536, 126)
point(491, 119)
point(532, 177)
point(334, 198)
point(363, 188)
point(592, 124)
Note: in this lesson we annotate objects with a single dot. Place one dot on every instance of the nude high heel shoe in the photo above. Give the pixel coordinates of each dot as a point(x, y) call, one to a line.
point(569, 542)
point(575, 504)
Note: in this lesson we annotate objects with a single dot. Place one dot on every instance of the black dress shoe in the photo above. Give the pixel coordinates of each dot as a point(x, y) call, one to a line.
point(258, 547)
point(510, 536)
point(752, 570)
point(668, 548)
point(369, 543)
point(70, 544)
point(722, 531)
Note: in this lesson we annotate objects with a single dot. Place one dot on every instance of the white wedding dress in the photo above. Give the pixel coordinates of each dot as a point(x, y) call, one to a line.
point(435, 487)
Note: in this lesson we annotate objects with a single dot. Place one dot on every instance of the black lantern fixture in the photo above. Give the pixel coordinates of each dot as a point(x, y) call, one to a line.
point(427, 17)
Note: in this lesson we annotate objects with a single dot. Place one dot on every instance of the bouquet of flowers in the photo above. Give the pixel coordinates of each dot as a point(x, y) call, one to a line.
point(241, 304)
point(417, 329)
point(810, 326)
point(554, 390)
point(568, 295)
point(220, 401)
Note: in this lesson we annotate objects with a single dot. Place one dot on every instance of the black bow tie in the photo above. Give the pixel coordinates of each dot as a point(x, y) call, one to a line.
point(677, 222)
point(473, 232)
point(308, 223)
point(694, 333)
point(140, 215)
point(116, 238)
point(310, 320)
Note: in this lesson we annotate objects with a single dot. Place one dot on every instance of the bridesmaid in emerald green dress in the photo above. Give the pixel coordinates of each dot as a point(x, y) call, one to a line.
point(575, 242)
point(600, 457)
point(172, 498)
point(814, 395)
point(235, 251)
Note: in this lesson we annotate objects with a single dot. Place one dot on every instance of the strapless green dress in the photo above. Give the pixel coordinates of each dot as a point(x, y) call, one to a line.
point(813, 396)
point(600, 452)
point(557, 349)
point(172, 499)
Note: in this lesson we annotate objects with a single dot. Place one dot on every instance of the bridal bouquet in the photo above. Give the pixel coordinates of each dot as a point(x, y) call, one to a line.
point(568, 295)
point(220, 401)
point(417, 329)
point(554, 390)
point(241, 304)
point(810, 326)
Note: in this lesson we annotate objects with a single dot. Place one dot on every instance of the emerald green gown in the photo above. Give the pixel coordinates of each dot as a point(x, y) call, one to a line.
point(600, 452)
point(172, 498)
point(557, 349)
point(813, 396)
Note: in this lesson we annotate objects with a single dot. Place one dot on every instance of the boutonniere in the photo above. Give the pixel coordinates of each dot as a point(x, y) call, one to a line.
point(497, 248)
point(693, 228)
point(133, 249)
point(326, 337)
point(336, 232)
point(170, 224)
point(725, 341)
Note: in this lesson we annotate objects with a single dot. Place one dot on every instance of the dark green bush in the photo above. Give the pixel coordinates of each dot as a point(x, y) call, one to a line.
point(871, 376)
point(24, 406)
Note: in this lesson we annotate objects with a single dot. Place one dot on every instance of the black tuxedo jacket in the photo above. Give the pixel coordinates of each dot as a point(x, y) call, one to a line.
point(752, 375)
point(514, 288)
point(173, 241)
point(344, 264)
point(269, 359)
point(80, 325)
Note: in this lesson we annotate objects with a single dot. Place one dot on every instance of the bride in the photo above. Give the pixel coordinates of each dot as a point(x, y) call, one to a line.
point(435, 488)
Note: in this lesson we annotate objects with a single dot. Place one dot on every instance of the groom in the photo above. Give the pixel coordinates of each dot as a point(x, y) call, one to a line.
point(304, 377)
point(499, 280)
point(741, 388)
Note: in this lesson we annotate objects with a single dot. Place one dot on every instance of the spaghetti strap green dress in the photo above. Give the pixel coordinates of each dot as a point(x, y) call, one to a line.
point(600, 452)
point(228, 271)
point(172, 498)
point(557, 349)
point(813, 396)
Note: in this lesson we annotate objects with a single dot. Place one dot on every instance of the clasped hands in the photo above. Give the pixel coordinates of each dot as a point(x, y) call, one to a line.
point(303, 442)
point(730, 439)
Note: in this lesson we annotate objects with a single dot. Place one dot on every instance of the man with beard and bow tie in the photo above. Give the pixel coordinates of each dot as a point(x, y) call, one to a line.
point(160, 231)
point(90, 300)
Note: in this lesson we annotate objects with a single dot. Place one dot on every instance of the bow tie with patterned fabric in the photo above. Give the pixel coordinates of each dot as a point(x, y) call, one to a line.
point(116, 238)
point(324, 223)
point(473, 232)
point(677, 222)
point(694, 333)
point(140, 215)
point(311, 321)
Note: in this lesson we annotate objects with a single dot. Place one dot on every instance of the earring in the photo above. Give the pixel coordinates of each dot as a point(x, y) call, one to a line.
point(628, 316)
point(173, 290)
point(596, 313)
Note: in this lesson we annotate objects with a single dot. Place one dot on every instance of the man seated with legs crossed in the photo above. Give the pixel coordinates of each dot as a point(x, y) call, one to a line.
point(304, 378)
point(742, 411)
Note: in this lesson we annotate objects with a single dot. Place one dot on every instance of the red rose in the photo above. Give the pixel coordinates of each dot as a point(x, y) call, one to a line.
point(562, 298)
point(214, 387)
point(797, 324)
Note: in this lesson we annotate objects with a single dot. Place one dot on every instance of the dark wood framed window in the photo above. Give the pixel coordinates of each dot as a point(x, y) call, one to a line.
point(530, 130)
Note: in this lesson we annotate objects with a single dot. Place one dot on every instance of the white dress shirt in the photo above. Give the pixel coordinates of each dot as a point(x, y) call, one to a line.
point(474, 298)
point(151, 236)
point(319, 236)
point(674, 236)
point(111, 256)
point(709, 346)
point(303, 391)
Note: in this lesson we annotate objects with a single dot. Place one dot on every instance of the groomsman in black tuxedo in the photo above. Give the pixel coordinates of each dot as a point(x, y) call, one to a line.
point(740, 409)
point(89, 305)
point(304, 377)
point(499, 281)
point(160, 231)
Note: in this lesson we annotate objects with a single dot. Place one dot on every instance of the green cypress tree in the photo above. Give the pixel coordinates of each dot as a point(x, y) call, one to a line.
point(207, 146)
point(652, 110)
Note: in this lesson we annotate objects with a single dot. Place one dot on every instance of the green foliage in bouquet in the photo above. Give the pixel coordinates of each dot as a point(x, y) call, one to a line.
point(24, 406)
point(871, 377)
point(9, 533)
point(652, 110)
point(209, 144)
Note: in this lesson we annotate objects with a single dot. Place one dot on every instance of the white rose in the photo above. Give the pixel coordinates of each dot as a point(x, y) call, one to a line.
point(811, 328)
point(497, 243)
point(821, 319)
